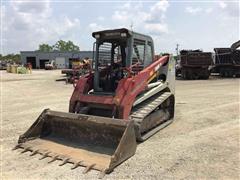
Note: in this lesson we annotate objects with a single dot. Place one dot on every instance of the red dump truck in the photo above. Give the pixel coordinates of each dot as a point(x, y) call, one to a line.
point(194, 64)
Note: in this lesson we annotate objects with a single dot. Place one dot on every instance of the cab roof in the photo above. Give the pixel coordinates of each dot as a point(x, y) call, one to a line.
point(124, 30)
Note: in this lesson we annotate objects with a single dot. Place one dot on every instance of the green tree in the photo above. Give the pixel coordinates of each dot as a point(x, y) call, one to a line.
point(16, 58)
point(45, 48)
point(66, 46)
point(11, 57)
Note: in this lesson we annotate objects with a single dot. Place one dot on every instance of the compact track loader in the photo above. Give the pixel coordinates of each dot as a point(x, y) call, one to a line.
point(127, 98)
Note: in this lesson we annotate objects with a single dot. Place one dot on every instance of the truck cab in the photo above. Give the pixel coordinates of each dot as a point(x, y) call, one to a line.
point(50, 65)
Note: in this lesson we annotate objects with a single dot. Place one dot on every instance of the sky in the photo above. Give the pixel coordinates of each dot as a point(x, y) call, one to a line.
point(191, 24)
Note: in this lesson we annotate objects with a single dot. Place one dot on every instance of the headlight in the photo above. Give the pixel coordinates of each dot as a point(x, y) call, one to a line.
point(123, 34)
point(97, 36)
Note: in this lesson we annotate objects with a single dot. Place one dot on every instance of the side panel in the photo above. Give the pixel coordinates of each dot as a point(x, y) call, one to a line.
point(195, 59)
point(169, 71)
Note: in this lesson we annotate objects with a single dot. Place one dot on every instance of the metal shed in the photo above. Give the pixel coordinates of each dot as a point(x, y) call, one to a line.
point(62, 59)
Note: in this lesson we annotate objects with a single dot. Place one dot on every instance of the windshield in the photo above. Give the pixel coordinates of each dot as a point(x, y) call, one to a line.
point(111, 52)
point(109, 59)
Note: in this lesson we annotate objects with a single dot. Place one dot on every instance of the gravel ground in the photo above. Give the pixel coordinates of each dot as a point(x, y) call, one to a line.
point(202, 142)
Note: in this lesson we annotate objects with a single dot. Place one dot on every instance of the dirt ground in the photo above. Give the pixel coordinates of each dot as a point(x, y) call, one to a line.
point(202, 142)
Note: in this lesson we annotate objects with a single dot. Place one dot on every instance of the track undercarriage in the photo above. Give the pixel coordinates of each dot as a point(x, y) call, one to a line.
point(152, 115)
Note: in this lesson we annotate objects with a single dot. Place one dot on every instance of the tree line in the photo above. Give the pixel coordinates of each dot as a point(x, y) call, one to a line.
point(10, 58)
point(62, 46)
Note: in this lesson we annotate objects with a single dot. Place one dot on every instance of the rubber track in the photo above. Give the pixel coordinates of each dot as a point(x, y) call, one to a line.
point(144, 109)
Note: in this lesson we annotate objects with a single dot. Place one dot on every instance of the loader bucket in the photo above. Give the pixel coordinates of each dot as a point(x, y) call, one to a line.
point(93, 142)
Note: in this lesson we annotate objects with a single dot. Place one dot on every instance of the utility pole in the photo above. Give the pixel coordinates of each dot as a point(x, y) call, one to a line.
point(177, 49)
point(131, 26)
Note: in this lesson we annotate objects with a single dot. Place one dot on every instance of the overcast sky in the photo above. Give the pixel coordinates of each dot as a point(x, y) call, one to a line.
point(193, 25)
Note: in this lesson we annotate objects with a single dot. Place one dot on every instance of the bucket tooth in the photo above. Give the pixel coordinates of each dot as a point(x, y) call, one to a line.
point(54, 158)
point(102, 174)
point(34, 152)
point(75, 165)
point(88, 168)
point(45, 155)
point(94, 142)
point(64, 161)
point(16, 147)
point(26, 149)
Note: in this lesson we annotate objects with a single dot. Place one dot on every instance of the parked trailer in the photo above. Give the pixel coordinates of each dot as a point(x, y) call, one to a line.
point(71, 74)
point(194, 64)
point(227, 61)
point(78, 70)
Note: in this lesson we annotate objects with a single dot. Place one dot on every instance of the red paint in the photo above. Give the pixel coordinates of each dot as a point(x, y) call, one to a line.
point(126, 92)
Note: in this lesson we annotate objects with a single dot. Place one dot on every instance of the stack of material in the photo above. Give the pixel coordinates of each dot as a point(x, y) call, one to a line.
point(17, 69)
point(8, 68)
point(22, 70)
point(14, 68)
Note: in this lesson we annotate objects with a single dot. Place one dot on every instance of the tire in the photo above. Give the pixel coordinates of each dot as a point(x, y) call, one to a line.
point(221, 73)
point(195, 76)
point(183, 74)
point(206, 77)
point(188, 75)
point(230, 73)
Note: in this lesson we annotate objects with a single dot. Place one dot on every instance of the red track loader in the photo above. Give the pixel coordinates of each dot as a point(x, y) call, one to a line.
point(127, 98)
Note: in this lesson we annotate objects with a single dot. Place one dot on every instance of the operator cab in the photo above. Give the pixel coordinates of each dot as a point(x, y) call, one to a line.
point(114, 51)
